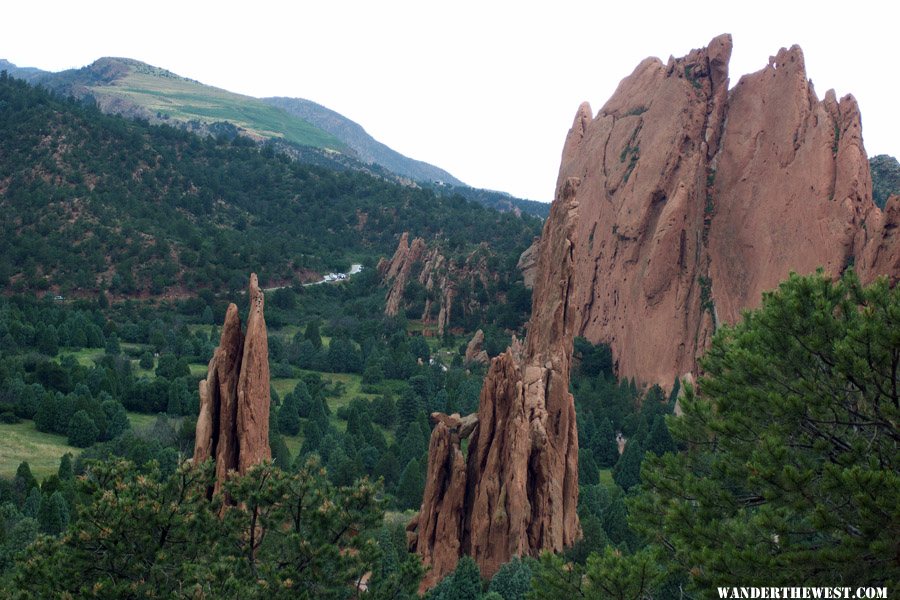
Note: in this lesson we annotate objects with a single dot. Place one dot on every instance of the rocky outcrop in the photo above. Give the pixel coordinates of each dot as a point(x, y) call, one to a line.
point(475, 352)
point(517, 490)
point(397, 270)
point(695, 199)
point(233, 424)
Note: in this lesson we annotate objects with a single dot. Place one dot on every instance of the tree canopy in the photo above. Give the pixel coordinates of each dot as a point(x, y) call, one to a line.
point(790, 475)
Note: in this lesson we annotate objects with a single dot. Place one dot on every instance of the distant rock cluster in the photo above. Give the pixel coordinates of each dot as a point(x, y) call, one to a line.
point(439, 276)
point(233, 425)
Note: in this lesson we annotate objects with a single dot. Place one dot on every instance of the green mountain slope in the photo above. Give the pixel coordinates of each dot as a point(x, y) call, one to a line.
point(135, 89)
point(303, 129)
point(91, 200)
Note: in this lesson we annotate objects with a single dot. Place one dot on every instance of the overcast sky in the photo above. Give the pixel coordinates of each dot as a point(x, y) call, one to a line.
point(486, 90)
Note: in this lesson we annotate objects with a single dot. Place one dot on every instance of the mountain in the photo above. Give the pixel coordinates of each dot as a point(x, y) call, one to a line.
point(300, 128)
point(367, 148)
point(695, 199)
point(135, 89)
point(92, 201)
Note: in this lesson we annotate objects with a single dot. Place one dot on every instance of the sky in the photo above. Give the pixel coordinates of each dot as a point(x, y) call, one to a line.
point(486, 90)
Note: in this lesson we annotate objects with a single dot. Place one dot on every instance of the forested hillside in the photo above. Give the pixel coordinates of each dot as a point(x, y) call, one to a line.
point(93, 201)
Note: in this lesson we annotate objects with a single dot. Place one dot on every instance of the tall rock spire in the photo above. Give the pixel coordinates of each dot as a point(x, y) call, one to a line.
point(516, 492)
point(233, 424)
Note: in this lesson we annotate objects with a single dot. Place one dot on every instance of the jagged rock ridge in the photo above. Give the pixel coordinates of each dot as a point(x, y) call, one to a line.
point(233, 424)
point(516, 491)
point(695, 199)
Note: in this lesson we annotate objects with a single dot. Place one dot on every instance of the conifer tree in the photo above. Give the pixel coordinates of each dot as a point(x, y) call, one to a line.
point(790, 471)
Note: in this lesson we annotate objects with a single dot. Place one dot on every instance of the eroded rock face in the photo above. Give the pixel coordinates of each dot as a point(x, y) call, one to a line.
point(233, 424)
point(516, 492)
point(694, 200)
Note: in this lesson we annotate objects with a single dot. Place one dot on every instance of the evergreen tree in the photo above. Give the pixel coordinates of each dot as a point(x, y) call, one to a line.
point(790, 471)
point(588, 471)
point(606, 447)
point(627, 472)
point(463, 584)
point(288, 416)
point(311, 334)
point(513, 580)
point(32, 505)
point(660, 440)
point(82, 431)
point(53, 515)
point(411, 486)
point(65, 471)
point(24, 481)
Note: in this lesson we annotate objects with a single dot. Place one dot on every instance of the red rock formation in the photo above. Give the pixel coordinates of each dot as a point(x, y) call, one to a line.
point(694, 200)
point(475, 352)
point(397, 270)
point(437, 275)
point(882, 254)
point(233, 424)
point(519, 490)
point(253, 387)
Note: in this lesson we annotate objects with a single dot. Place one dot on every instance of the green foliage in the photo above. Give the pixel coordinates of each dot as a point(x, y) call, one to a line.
point(82, 430)
point(610, 575)
point(161, 208)
point(790, 472)
point(513, 580)
point(627, 472)
point(159, 536)
point(885, 178)
point(464, 583)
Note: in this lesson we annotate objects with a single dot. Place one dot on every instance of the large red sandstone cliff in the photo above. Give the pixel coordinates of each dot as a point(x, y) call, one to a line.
point(516, 491)
point(233, 424)
point(694, 199)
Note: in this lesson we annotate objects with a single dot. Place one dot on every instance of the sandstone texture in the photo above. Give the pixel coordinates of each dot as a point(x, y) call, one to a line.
point(516, 491)
point(233, 424)
point(694, 200)
point(475, 352)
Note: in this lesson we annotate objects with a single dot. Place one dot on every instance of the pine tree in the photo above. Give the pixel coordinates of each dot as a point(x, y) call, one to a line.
point(65, 471)
point(82, 431)
point(606, 447)
point(513, 580)
point(288, 416)
point(53, 515)
point(790, 471)
point(411, 486)
point(660, 440)
point(627, 472)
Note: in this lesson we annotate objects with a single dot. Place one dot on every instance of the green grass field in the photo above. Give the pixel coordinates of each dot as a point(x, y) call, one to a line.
point(140, 420)
point(42, 451)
